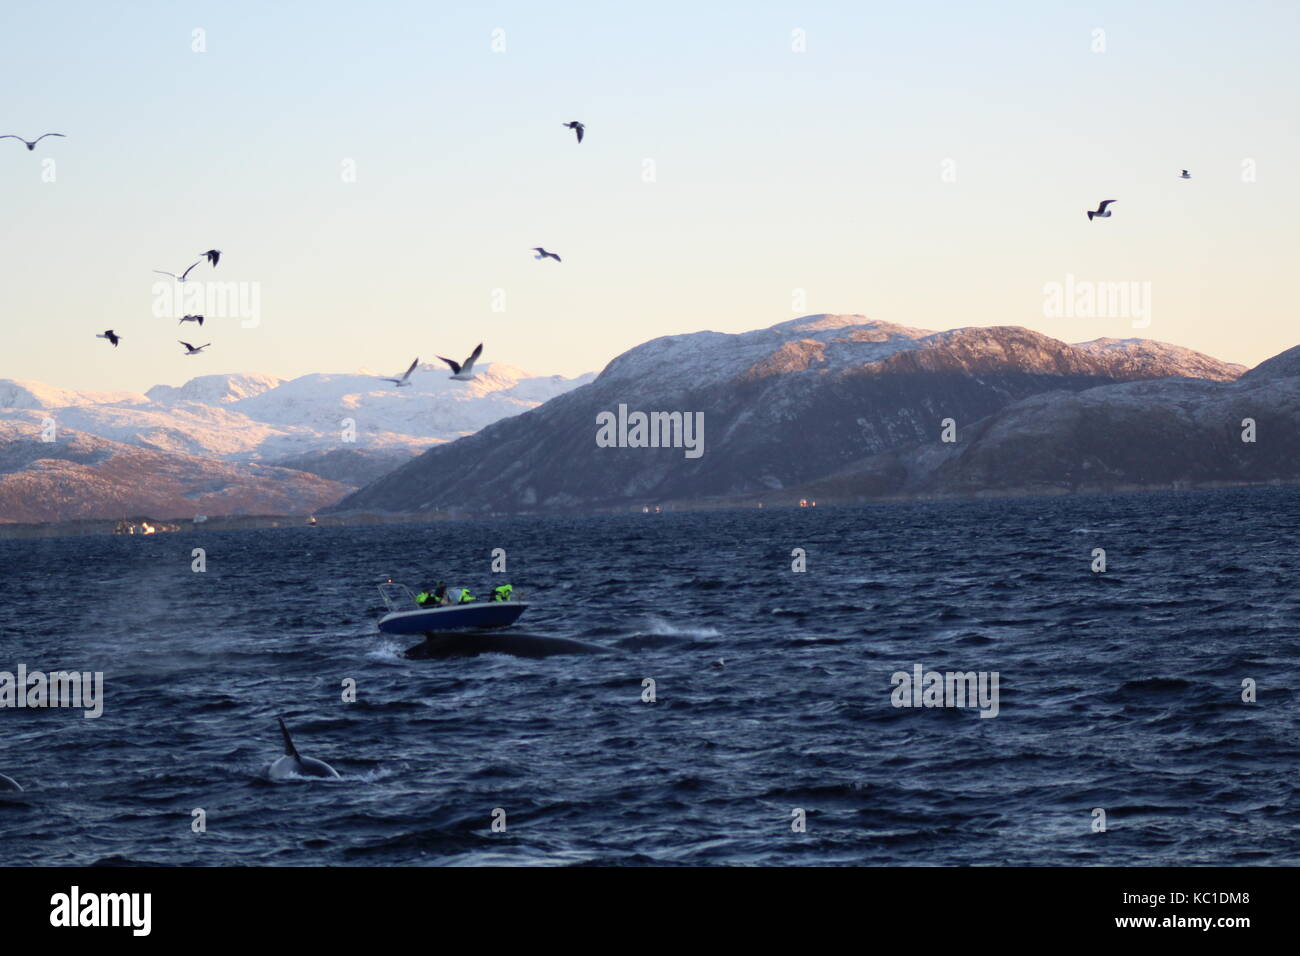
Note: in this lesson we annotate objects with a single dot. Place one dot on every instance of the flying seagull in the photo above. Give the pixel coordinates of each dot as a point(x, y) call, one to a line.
point(30, 145)
point(1101, 212)
point(191, 350)
point(1185, 175)
point(191, 318)
point(543, 254)
point(111, 336)
point(181, 277)
point(464, 372)
point(576, 127)
point(213, 256)
point(402, 382)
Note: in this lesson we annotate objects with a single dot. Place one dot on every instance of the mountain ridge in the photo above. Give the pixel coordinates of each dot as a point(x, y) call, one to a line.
point(783, 406)
point(85, 476)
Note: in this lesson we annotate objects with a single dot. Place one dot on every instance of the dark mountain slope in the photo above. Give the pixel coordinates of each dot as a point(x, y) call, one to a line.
point(781, 407)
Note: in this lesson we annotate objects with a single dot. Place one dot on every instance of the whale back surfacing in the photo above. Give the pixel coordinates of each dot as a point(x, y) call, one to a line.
point(295, 764)
point(456, 644)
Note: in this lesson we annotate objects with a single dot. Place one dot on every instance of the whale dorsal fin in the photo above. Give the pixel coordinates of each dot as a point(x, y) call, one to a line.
point(289, 749)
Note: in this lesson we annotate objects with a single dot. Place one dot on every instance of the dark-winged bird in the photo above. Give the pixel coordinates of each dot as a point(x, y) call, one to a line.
point(32, 143)
point(1101, 212)
point(464, 371)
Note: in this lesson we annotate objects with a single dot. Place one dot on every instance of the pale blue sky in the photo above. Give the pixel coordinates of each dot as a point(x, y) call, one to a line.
point(776, 171)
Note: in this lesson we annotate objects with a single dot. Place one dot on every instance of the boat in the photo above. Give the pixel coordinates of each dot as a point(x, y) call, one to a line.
point(406, 617)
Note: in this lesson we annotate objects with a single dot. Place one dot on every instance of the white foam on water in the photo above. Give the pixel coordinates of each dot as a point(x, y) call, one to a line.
point(389, 652)
point(661, 628)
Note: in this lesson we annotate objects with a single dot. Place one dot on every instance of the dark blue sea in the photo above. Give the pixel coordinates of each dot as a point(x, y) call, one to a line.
point(1119, 690)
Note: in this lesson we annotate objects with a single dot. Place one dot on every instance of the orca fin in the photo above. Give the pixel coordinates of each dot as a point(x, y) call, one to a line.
point(289, 749)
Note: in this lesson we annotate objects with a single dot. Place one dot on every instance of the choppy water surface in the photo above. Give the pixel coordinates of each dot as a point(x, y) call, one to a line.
point(1119, 690)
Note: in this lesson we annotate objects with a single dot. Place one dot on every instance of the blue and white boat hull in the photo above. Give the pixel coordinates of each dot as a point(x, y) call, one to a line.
point(477, 615)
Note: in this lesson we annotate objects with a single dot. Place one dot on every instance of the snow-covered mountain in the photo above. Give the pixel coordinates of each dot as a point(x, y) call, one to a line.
point(17, 393)
point(781, 407)
point(1145, 356)
point(214, 389)
point(1155, 433)
point(246, 418)
point(235, 444)
point(79, 476)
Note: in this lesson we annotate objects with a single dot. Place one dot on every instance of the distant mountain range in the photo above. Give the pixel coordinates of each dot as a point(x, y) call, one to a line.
point(841, 408)
point(84, 476)
point(861, 405)
point(211, 431)
point(261, 417)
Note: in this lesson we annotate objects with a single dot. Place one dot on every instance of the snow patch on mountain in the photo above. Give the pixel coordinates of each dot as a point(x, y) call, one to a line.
point(1149, 355)
point(214, 389)
point(675, 363)
point(20, 393)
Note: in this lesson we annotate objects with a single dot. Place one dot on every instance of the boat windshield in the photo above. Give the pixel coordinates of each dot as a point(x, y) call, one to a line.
point(398, 597)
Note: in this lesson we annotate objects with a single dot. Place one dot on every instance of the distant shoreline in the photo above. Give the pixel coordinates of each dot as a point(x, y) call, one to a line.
point(88, 527)
point(779, 501)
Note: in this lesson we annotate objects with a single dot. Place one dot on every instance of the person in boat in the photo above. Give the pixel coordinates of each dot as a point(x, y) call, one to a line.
point(427, 598)
point(502, 592)
point(457, 596)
